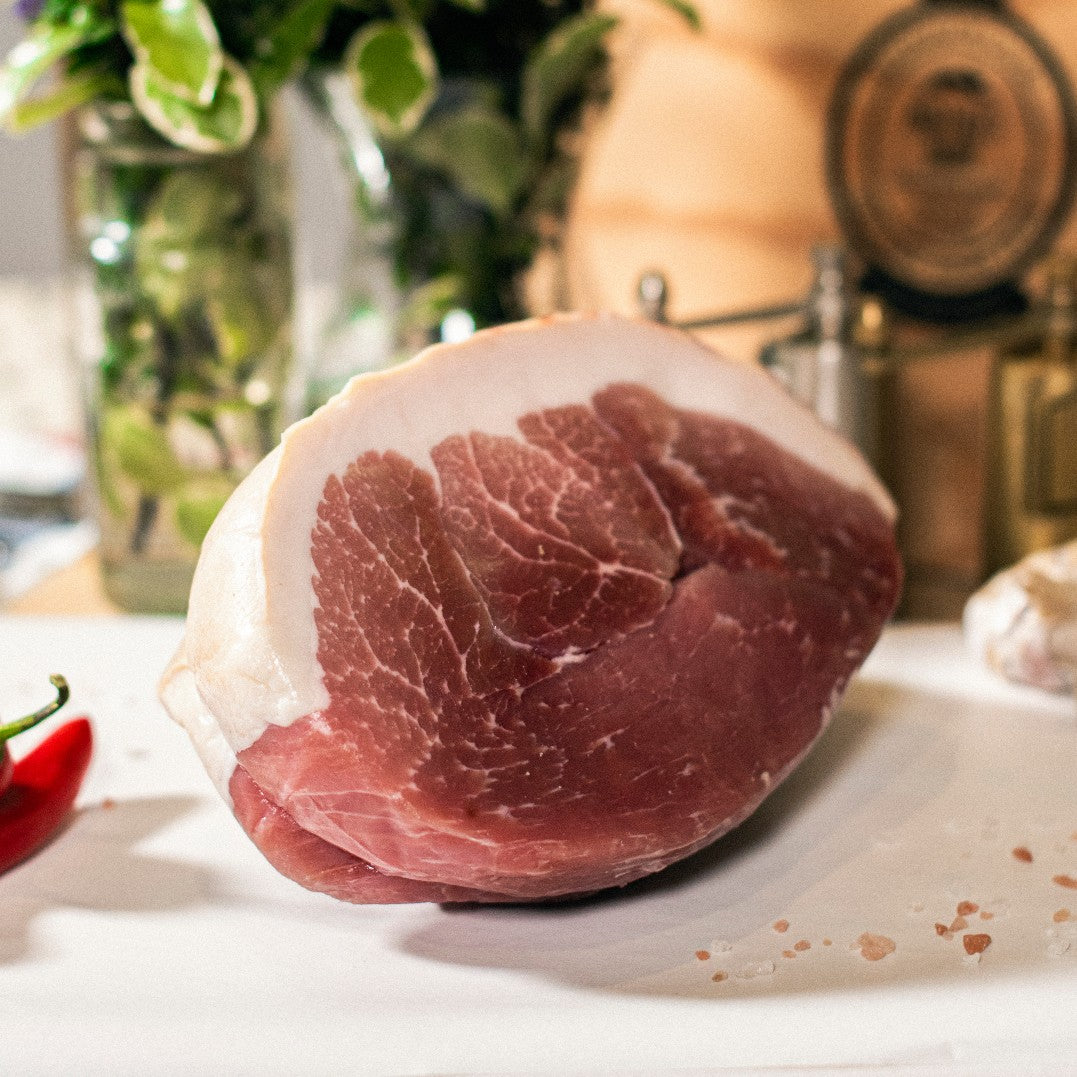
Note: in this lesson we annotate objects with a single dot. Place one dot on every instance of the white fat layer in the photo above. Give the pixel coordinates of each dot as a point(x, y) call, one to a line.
point(235, 673)
point(251, 640)
point(179, 693)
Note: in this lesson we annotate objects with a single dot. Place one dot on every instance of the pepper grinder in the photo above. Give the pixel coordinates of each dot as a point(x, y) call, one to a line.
point(821, 364)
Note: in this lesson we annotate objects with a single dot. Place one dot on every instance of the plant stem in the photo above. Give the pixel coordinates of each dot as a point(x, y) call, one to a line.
point(149, 505)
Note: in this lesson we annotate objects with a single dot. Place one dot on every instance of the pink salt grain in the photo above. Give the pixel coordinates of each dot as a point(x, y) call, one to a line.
point(875, 947)
point(781, 926)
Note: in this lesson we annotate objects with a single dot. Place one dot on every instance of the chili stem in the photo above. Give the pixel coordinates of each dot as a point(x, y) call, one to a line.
point(22, 724)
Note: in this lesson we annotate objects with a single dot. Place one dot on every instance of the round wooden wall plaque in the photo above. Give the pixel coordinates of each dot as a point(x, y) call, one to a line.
point(950, 156)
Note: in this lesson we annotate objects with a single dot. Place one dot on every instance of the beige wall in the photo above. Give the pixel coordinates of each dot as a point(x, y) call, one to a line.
point(709, 164)
point(709, 161)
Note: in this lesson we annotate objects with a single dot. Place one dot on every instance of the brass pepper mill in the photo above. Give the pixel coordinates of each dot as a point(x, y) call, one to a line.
point(1031, 480)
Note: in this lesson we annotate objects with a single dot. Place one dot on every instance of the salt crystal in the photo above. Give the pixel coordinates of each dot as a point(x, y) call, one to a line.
point(755, 968)
point(960, 889)
point(971, 959)
point(875, 947)
point(720, 946)
point(1057, 947)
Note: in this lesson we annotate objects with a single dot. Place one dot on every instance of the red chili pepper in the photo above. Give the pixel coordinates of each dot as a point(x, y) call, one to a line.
point(37, 791)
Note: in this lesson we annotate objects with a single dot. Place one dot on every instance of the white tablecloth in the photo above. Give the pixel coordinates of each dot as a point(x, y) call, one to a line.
point(151, 937)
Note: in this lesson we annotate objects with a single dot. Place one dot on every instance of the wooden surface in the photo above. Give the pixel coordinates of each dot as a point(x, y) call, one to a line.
point(72, 592)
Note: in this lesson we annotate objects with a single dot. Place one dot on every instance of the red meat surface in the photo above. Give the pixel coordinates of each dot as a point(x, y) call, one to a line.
point(560, 663)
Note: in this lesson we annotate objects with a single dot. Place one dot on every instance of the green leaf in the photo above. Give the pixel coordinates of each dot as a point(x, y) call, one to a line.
point(393, 70)
point(227, 124)
point(141, 450)
point(367, 7)
point(428, 304)
point(178, 42)
point(290, 43)
point(478, 150)
point(242, 319)
point(551, 190)
point(197, 505)
point(191, 204)
point(44, 46)
point(185, 227)
point(559, 65)
point(71, 92)
point(687, 11)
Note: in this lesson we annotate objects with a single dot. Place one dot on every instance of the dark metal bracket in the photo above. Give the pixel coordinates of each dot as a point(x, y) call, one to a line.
point(652, 298)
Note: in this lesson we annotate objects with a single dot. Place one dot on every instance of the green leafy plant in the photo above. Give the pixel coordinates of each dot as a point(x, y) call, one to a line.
point(178, 190)
point(189, 258)
point(200, 72)
point(470, 100)
point(473, 105)
point(535, 53)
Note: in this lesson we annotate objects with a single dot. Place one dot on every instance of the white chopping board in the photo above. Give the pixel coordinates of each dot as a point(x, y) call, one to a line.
point(152, 938)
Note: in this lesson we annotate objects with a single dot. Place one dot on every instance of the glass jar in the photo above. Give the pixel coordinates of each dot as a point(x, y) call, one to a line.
point(432, 256)
point(183, 289)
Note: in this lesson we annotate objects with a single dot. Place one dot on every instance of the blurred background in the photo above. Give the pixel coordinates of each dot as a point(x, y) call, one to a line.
point(707, 164)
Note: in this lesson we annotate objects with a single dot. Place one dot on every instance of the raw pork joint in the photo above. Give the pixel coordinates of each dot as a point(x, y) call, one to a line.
point(529, 616)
